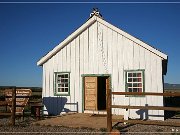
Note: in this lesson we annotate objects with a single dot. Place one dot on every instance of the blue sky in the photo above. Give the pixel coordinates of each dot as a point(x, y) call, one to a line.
point(29, 31)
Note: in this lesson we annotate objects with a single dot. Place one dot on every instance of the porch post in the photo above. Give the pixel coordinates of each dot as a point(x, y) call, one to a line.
point(108, 107)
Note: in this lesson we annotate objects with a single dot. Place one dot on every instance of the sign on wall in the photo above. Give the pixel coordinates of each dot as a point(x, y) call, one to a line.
point(22, 97)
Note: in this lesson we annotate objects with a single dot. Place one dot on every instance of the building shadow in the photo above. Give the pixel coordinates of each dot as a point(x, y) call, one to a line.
point(171, 102)
point(143, 113)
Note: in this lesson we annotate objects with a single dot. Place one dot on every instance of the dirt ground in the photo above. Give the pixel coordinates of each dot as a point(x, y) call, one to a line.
point(78, 120)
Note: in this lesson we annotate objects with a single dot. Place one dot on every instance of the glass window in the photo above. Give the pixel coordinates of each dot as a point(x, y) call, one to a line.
point(135, 81)
point(61, 83)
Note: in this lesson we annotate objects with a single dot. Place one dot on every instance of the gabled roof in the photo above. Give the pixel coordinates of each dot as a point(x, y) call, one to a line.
point(93, 19)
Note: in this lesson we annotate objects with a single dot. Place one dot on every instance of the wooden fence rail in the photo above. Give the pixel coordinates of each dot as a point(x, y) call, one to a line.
point(147, 107)
point(165, 94)
point(152, 122)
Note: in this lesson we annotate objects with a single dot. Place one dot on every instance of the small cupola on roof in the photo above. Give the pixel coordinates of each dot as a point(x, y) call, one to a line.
point(96, 13)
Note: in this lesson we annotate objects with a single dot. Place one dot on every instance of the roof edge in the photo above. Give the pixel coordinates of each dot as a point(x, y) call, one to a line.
point(89, 22)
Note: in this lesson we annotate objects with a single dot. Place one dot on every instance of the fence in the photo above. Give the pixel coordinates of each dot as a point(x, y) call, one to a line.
point(110, 106)
point(13, 106)
point(16, 99)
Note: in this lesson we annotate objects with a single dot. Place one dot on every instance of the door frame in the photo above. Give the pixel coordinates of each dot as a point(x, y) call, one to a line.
point(91, 75)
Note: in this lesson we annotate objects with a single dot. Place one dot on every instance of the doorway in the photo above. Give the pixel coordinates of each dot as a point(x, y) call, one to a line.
point(95, 88)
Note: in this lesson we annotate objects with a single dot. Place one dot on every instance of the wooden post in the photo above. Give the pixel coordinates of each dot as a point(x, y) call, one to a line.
point(109, 115)
point(13, 107)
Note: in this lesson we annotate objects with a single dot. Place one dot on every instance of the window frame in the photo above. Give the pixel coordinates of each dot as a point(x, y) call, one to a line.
point(56, 93)
point(143, 81)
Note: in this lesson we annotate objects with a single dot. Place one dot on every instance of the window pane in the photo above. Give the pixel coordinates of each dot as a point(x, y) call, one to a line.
point(130, 89)
point(129, 84)
point(139, 89)
point(135, 90)
point(129, 74)
point(135, 85)
point(129, 79)
point(66, 89)
point(59, 90)
point(66, 76)
point(66, 80)
point(135, 79)
point(134, 74)
point(138, 74)
point(140, 85)
point(58, 81)
point(139, 79)
point(66, 85)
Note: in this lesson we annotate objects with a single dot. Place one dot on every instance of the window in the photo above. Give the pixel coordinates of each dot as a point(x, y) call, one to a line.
point(61, 83)
point(135, 81)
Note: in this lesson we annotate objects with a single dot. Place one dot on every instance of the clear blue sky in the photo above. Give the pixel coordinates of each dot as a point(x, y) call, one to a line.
point(29, 31)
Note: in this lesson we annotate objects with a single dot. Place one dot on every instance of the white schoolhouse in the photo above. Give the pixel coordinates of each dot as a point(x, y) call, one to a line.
point(98, 56)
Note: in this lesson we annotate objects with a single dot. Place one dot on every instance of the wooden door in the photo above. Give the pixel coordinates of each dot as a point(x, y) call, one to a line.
point(90, 95)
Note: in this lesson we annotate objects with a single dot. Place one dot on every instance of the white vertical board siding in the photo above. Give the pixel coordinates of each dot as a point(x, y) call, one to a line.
point(121, 86)
point(115, 68)
point(77, 90)
point(91, 48)
point(44, 82)
point(48, 82)
point(104, 48)
point(160, 99)
point(44, 86)
point(154, 83)
point(86, 51)
point(51, 78)
point(68, 69)
point(47, 78)
point(54, 101)
point(141, 101)
point(136, 65)
point(136, 60)
point(81, 71)
point(64, 64)
point(101, 50)
point(126, 67)
point(153, 79)
point(109, 46)
point(130, 55)
point(148, 78)
point(95, 48)
point(109, 61)
point(73, 73)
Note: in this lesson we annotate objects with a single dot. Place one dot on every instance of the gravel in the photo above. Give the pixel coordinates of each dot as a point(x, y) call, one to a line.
point(25, 127)
point(147, 129)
